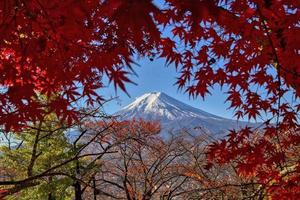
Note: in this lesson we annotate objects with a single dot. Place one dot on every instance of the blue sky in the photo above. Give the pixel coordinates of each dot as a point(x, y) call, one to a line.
point(155, 76)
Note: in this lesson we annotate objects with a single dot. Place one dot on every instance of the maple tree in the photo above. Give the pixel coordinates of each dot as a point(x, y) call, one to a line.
point(248, 47)
point(215, 182)
point(259, 157)
point(144, 167)
point(121, 134)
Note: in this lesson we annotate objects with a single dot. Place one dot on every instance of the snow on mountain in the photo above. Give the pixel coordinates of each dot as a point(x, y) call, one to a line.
point(175, 115)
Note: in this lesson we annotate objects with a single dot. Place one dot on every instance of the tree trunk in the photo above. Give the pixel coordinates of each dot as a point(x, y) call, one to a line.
point(95, 189)
point(51, 197)
point(77, 186)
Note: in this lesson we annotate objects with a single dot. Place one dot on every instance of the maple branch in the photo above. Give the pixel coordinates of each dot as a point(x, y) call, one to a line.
point(169, 197)
point(278, 77)
point(279, 66)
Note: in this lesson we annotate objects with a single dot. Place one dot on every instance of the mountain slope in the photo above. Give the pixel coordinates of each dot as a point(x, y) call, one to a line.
point(175, 115)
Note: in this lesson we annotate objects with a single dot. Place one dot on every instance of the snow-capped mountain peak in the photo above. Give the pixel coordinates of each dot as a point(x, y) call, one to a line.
point(146, 101)
point(160, 105)
point(174, 114)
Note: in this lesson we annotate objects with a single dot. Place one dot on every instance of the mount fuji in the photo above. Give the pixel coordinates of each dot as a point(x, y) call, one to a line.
point(175, 115)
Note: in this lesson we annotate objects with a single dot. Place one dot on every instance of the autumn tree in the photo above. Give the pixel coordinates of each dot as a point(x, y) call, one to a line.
point(210, 182)
point(144, 167)
point(260, 160)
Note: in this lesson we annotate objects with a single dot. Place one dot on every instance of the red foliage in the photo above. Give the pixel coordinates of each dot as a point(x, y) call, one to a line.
point(270, 157)
point(65, 48)
point(122, 130)
point(251, 48)
point(129, 127)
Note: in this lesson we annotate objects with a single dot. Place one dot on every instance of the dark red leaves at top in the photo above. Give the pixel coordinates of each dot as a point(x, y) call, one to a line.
point(54, 48)
point(93, 37)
